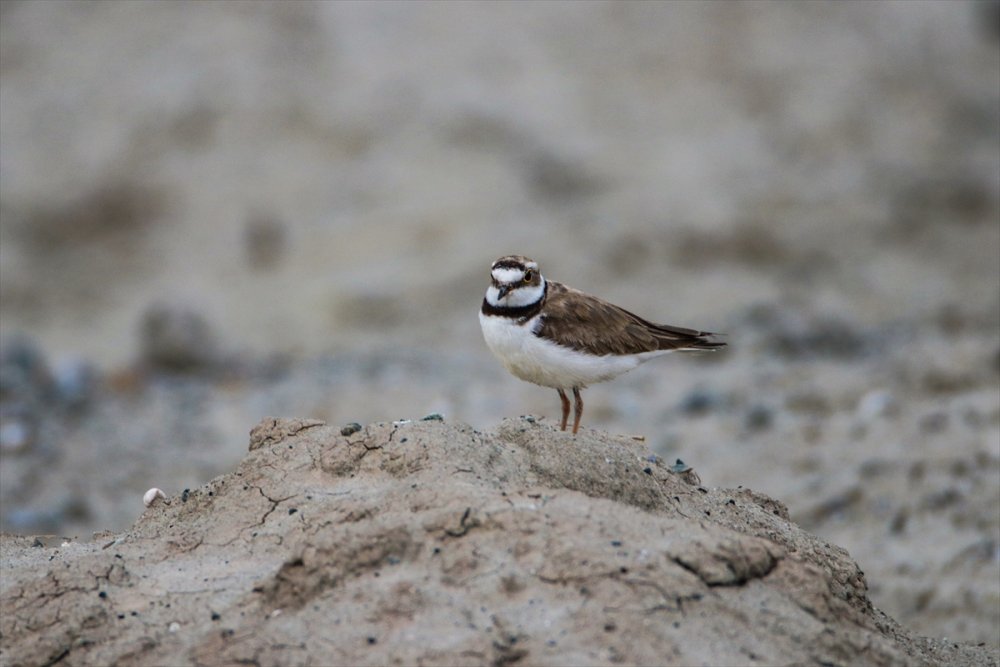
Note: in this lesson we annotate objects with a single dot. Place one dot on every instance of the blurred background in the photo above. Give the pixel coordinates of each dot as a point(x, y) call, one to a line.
point(213, 212)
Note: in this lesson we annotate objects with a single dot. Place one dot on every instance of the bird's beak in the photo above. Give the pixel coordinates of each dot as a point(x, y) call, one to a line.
point(503, 290)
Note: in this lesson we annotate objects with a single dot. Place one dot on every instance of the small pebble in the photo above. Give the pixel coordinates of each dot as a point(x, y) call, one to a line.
point(74, 382)
point(176, 337)
point(699, 401)
point(23, 369)
point(877, 403)
point(759, 418)
point(15, 436)
point(433, 417)
point(151, 496)
point(350, 429)
point(686, 473)
point(679, 467)
point(174, 627)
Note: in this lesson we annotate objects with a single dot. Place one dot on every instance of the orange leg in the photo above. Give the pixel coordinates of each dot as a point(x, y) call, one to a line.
point(578, 409)
point(565, 408)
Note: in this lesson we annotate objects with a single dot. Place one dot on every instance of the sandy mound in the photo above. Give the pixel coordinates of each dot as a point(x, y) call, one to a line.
point(432, 543)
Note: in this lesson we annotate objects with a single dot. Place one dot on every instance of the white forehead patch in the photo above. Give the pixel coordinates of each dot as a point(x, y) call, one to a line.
point(505, 275)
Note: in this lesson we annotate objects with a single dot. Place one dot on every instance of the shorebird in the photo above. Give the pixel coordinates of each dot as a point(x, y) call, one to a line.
point(555, 336)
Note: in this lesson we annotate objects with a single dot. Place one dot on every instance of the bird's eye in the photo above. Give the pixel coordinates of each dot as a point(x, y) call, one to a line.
point(528, 275)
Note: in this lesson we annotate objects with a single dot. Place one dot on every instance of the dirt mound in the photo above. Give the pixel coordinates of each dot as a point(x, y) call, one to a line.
point(424, 542)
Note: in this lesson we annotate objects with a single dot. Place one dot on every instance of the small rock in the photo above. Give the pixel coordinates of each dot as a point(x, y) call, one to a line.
point(941, 499)
point(16, 436)
point(350, 429)
point(759, 418)
point(898, 524)
point(433, 417)
point(23, 369)
point(74, 382)
point(177, 338)
point(686, 473)
point(679, 467)
point(700, 401)
point(877, 403)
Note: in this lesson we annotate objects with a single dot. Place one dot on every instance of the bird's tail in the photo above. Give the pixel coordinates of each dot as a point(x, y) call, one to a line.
point(679, 338)
point(707, 341)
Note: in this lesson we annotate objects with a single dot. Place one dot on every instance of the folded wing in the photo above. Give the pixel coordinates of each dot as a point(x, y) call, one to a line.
point(587, 323)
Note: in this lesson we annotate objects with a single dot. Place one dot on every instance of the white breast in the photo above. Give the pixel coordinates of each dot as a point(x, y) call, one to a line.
point(545, 363)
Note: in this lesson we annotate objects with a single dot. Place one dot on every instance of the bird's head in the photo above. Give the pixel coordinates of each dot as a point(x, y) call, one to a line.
point(514, 281)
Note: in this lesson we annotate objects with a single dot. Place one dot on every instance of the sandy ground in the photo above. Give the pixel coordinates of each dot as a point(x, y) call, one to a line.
point(426, 542)
point(210, 213)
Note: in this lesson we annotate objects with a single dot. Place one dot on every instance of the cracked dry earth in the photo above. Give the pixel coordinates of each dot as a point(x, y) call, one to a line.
point(421, 543)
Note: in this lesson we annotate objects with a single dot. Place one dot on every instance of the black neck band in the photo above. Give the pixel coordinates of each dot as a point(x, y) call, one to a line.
point(516, 312)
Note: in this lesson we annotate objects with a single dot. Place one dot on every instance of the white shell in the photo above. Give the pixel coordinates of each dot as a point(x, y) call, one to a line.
point(152, 496)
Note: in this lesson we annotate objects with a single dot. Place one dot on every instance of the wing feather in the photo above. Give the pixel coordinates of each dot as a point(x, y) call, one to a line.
point(586, 323)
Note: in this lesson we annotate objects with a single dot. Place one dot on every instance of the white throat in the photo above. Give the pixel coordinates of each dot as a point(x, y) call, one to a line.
point(517, 297)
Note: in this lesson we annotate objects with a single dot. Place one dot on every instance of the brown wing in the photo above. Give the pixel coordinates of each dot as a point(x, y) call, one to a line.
point(586, 323)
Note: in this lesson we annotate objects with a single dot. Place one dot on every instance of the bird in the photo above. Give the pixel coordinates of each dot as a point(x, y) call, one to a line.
point(553, 335)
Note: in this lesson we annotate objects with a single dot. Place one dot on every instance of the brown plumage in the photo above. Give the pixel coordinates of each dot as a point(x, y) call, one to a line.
point(584, 322)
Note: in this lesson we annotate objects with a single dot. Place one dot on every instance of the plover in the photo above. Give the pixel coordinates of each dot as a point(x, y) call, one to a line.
point(555, 336)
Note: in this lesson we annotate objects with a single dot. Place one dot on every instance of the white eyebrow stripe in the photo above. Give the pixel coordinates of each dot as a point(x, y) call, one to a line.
point(504, 275)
